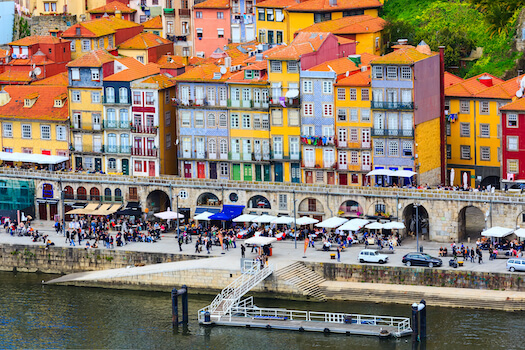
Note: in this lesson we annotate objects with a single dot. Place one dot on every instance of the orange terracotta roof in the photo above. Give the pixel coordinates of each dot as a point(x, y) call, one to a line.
point(32, 95)
point(356, 79)
point(302, 44)
point(37, 39)
point(505, 90)
point(342, 40)
point(470, 87)
point(134, 73)
point(213, 4)
point(4, 53)
point(161, 80)
point(395, 47)
point(277, 3)
point(42, 109)
point(517, 105)
point(15, 76)
point(344, 64)
point(62, 96)
point(403, 56)
point(168, 62)
point(98, 27)
point(130, 63)
point(349, 25)
point(154, 23)
point(451, 79)
point(238, 78)
point(324, 5)
point(258, 65)
point(60, 79)
point(253, 58)
point(237, 57)
point(143, 41)
point(92, 59)
point(112, 7)
point(204, 72)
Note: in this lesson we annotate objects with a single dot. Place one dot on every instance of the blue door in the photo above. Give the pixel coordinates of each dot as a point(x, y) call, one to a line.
point(278, 167)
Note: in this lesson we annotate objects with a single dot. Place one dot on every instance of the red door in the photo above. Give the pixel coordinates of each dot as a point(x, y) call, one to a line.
point(343, 179)
point(42, 211)
point(309, 177)
point(151, 168)
point(187, 170)
point(331, 178)
point(201, 170)
point(53, 210)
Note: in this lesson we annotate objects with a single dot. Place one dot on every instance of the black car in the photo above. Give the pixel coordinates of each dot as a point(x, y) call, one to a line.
point(421, 259)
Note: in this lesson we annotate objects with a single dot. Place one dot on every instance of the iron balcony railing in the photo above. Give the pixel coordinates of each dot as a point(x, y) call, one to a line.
point(393, 132)
point(115, 124)
point(116, 100)
point(392, 105)
point(149, 152)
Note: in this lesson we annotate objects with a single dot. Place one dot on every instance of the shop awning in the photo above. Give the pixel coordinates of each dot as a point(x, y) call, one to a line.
point(32, 158)
point(375, 226)
point(333, 222)
point(204, 216)
point(520, 232)
point(283, 220)
point(394, 225)
point(353, 225)
point(306, 220)
point(497, 232)
point(168, 215)
point(199, 210)
point(132, 209)
point(264, 219)
point(88, 209)
point(228, 212)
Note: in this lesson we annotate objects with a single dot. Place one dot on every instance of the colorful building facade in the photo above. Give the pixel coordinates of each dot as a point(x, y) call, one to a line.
point(212, 26)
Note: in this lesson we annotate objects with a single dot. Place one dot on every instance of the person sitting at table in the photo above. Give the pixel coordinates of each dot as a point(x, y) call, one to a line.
point(326, 245)
point(445, 251)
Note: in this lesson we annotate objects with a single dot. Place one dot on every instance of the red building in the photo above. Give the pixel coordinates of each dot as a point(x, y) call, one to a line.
point(34, 58)
point(513, 142)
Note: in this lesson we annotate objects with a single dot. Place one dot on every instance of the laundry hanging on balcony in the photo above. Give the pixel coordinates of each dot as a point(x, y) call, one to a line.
point(318, 140)
point(452, 117)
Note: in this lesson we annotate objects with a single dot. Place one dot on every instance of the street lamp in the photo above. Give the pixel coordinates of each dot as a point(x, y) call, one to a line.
point(294, 220)
point(417, 226)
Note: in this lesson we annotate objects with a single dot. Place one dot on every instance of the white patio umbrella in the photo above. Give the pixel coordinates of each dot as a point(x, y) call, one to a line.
point(520, 232)
point(375, 226)
point(204, 216)
point(332, 222)
point(283, 220)
point(245, 218)
point(497, 232)
point(404, 173)
point(353, 225)
point(168, 215)
point(465, 180)
point(260, 240)
point(452, 174)
point(264, 219)
point(305, 220)
point(394, 225)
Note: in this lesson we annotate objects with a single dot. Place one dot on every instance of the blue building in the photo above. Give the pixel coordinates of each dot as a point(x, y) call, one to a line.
point(243, 20)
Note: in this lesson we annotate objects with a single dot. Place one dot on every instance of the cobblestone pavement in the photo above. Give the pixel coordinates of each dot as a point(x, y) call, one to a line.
point(284, 252)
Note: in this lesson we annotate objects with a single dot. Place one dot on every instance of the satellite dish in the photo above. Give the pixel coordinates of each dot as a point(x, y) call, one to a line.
point(519, 93)
point(223, 70)
point(37, 71)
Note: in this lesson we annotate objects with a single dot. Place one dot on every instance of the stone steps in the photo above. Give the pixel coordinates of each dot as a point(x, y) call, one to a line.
point(300, 276)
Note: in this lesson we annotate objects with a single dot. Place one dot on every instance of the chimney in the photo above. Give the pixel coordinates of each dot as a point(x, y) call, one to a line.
point(402, 41)
point(118, 14)
point(486, 80)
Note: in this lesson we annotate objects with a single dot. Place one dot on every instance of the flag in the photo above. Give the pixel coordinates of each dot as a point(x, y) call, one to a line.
point(306, 241)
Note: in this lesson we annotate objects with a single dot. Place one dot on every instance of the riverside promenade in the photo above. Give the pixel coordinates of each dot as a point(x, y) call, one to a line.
point(214, 272)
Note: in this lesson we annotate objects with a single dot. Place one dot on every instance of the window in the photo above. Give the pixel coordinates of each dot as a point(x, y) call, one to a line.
point(484, 153)
point(95, 74)
point(365, 115)
point(353, 94)
point(75, 96)
point(484, 107)
point(406, 73)
point(283, 201)
point(377, 72)
point(234, 119)
point(512, 143)
point(224, 169)
point(379, 147)
point(512, 166)
point(211, 120)
point(95, 97)
point(185, 28)
point(167, 118)
point(465, 152)
point(307, 86)
point(169, 26)
point(101, 43)
point(447, 105)
point(321, 17)
point(449, 151)
point(123, 95)
point(279, 16)
point(327, 87)
point(110, 95)
point(199, 33)
point(265, 122)
point(365, 95)
point(149, 99)
point(262, 35)
point(198, 14)
point(448, 129)
point(293, 66)
point(276, 66)
point(391, 72)
point(279, 40)
point(512, 120)
point(86, 45)
point(328, 110)
point(341, 94)
point(75, 74)
point(354, 114)
point(464, 107)
point(269, 15)
point(464, 129)
point(138, 164)
point(220, 32)
point(393, 148)
point(223, 121)
point(261, 16)
point(26, 150)
point(26, 131)
point(199, 119)
point(45, 132)
point(7, 129)
point(277, 117)
point(110, 41)
point(142, 18)
point(137, 98)
point(220, 15)
point(484, 130)
point(73, 45)
point(293, 117)
point(341, 114)
point(246, 121)
point(186, 119)
point(308, 109)
point(353, 135)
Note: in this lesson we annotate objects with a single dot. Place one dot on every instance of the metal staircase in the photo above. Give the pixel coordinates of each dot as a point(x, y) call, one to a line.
point(232, 294)
point(303, 278)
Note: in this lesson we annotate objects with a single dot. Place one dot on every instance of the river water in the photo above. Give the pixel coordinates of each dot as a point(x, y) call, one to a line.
point(33, 316)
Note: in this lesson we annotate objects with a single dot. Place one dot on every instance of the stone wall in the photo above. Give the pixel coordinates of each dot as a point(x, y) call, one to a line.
point(418, 276)
point(41, 25)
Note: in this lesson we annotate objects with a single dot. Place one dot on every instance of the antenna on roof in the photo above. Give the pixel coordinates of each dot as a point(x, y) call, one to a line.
point(519, 93)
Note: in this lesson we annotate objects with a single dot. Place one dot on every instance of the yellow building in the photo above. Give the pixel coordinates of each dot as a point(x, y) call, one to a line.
point(273, 21)
point(154, 26)
point(473, 128)
point(146, 47)
point(35, 120)
point(77, 7)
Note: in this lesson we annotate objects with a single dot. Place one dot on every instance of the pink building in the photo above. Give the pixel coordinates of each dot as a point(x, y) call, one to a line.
point(212, 26)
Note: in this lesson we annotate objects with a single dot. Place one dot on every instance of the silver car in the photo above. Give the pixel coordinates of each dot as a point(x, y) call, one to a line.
point(516, 264)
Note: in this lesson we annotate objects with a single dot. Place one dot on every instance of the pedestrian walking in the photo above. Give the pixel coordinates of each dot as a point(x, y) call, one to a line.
point(180, 243)
point(243, 250)
point(338, 254)
point(208, 245)
point(472, 254)
point(480, 257)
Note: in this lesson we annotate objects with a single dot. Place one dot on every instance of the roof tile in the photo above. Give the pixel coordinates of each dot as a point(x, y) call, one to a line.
point(113, 6)
point(154, 23)
point(403, 56)
point(349, 25)
point(43, 109)
point(144, 41)
point(324, 5)
point(213, 4)
point(92, 59)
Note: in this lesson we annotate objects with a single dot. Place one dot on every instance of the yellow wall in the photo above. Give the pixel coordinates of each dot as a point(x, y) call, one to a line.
point(298, 21)
point(135, 53)
point(36, 143)
point(75, 7)
point(366, 43)
point(428, 142)
point(158, 31)
point(274, 26)
point(94, 45)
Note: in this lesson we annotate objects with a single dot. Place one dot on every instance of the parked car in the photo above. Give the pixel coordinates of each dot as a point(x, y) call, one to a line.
point(421, 259)
point(372, 255)
point(516, 264)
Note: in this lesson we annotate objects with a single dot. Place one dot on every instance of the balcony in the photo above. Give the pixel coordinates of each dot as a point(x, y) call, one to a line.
point(86, 127)
point(150, 152)
point(250, 156)
point(240, 103)
point(317, 141)
point(392, 105)
point(116, 100)
point(184, 12)
point(285, 102)
point(393, 132)
point(83, 148)
point(169, 12)
point(118, 149)
point(114, 124)
point(141, 129)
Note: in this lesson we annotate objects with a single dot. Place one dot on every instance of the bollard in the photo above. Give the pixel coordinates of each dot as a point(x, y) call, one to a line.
point(422, 319)
point(174, 308)
point(414, 323)
point(184, 292)
point(207, 317)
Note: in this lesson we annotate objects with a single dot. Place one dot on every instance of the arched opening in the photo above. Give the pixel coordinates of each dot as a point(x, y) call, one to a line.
point(471, 223)
point(311, 207)
point(107, 194)
point(259, 202)
point(377, 210)
point(493, 181)
point(81, 193)
point(47, 191)
point(416, 213)
point(68, 192)
point(350, 208)
point(118, 195)
point(208, 199)
point(158, 201)
point(94, 194)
